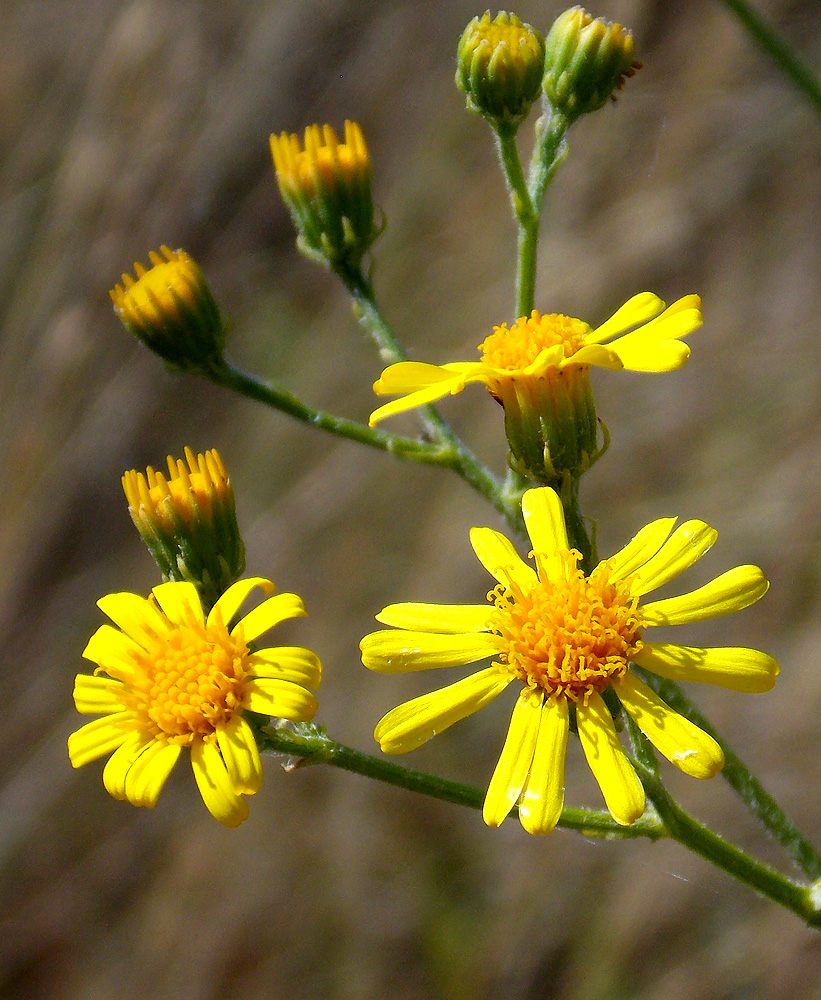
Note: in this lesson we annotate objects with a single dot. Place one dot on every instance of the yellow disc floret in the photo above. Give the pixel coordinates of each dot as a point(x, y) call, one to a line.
point(571, 637)
point(514, 348)
point(190, 683)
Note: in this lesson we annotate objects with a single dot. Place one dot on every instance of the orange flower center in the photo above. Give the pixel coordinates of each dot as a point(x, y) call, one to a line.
point(571, 637)
point(190, 684)
point(514, 348)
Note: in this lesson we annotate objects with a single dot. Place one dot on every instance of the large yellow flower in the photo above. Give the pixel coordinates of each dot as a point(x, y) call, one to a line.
point(515, 358)
point(568, 638)
point(169, 677)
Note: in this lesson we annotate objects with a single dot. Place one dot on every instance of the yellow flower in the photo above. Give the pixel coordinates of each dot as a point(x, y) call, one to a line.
point(168, 677)
point(170, 308)
point(569, 639)
point(535, 345)
point(327, 189)
point(189, 521)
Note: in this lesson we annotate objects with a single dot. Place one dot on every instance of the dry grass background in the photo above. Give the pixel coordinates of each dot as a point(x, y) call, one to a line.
point(129, 123)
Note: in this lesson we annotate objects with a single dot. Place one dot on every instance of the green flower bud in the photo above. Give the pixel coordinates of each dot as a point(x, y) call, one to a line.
point(499, 66)
point(587, 59)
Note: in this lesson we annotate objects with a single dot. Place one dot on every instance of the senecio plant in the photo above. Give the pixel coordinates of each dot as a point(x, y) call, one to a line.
point(181, 674)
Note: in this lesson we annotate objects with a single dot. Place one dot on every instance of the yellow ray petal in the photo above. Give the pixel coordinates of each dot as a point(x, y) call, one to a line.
point(149, 772)
point(271, 696)
point(732, 591)
point(681, 742)
point(215, 785)
point(97, 738)
point(733, 667)
point(138, 618)
point(543, 795)
point(514, 763)
point(452, 385)
point(497, 554)
point(544, 520)
point(639, 309)
point(411, 376)
point(410, 725)
point(241, 755)
point(289, 663)
point(638, 354)
point(271, 612)
point(229, 602)
point(119, 763)
point(179, 601)
point(114, 651)
point(97, 695)
point(640, 548)
point(451, 619)
point(686, 545)
point(612, 770)
point(595, 354)
point(396, 651)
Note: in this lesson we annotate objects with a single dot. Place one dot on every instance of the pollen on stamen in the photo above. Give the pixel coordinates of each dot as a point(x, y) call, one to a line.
point(513, 348)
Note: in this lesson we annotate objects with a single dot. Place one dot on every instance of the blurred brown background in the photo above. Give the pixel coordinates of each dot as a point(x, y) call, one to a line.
point(129, 123)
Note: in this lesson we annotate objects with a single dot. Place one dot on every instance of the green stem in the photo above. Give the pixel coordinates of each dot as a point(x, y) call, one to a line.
point(310, 743)
point(778, 50)
point(765, 809)
point(801, 899)
point(526, 216)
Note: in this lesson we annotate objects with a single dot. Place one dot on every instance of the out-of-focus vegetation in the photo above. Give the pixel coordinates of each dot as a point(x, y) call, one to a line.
point(128, 124)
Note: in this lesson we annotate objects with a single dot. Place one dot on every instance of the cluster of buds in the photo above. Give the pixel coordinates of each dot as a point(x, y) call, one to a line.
point(326, 185)
point(188, 520)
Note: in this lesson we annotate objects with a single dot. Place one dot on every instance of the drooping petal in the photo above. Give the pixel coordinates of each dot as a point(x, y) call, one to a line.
point(411, 376)
point(114, 652)
point(410, 725)
point(179, 601)
point(138, 618)
point(149, 772)
point(394, 651)
point(449, 384)
point(290, 663)
point(241, 755)
point(686, 545)
point(229, 603)
point(271, 696)
point(271, 612)
point(450, 619)
point(612, 770)
point(97, 695)
point(97, 738)
point(733, 667)
point(681, 742)
point(544, 520)
point(215, 786)
point(513, 766)
point(497, 554)
point(542, 797)
point(639, 309)
point(732, 591)
point(119, 763)
point(641, 354)
point(595, 354)
point(641, 548)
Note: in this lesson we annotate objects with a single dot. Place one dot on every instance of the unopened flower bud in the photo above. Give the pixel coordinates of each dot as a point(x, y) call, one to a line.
point(587, 60)
point(170, 308)
point(499, 66)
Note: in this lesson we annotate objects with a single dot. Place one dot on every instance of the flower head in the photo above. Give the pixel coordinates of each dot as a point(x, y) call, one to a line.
point(568, 639)
point(327, 188)
point(499, 67)
point(189, 521)
point(170, 308)
point(170, 678)
point(587, 59)
point(538, 370)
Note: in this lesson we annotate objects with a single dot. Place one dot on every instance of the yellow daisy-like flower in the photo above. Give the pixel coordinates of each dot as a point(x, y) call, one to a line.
point(534, 345)
point(168, 677)
point(171, 309)
point(568, 638)
point(538, 369)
